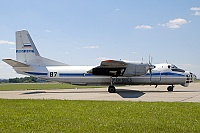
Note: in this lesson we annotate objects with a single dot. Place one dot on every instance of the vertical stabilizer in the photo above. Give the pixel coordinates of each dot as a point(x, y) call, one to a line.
point(25, 48)
point(27, 53)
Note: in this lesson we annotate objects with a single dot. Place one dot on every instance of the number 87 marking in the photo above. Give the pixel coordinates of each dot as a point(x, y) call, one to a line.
point(52, 74)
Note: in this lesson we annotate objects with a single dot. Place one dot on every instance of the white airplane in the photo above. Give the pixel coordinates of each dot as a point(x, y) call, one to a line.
point(110, 72)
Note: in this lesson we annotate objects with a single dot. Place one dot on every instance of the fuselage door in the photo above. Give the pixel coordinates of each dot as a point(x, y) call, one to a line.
point(155, 77)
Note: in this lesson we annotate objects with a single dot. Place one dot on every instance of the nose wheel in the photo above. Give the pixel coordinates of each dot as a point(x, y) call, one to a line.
point(170, 88)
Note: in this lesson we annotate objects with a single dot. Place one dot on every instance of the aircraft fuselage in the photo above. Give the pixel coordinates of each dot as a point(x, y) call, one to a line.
point(78, 75)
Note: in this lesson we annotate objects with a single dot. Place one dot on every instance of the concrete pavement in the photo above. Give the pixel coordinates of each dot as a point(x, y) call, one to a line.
point(124, 93)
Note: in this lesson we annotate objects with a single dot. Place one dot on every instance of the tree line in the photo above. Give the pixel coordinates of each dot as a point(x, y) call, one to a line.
point(22, 80)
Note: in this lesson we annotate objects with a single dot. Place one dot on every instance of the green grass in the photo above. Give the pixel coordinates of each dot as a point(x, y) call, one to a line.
point(98, 116)
point(40, 86)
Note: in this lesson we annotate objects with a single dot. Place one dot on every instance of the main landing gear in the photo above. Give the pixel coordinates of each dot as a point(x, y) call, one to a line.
point(111, 88)
point(170, 88)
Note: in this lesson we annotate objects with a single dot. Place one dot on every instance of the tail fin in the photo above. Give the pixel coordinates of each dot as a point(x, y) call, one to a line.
point(27, 53)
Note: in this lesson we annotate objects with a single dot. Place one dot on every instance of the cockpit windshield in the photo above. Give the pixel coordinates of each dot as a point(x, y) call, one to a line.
point(175, 68)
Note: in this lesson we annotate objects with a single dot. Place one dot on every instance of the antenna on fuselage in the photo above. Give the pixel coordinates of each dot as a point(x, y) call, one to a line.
point(142, 60)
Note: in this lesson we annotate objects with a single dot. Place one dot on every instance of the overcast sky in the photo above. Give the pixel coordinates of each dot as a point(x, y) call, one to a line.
point(84, 32)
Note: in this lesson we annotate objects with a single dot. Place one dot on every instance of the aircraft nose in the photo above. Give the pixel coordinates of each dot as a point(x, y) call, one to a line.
point(194, 77)
point(191, 77)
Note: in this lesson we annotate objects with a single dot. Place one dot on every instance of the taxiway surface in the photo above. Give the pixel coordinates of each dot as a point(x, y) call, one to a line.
point(124, 93)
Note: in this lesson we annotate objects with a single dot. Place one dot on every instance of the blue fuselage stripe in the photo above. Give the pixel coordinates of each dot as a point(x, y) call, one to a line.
point(165, 74)
point(74, 74)
point(86, 75)
point(37, 73)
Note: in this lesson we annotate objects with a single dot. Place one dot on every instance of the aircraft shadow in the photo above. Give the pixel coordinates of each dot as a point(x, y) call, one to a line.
point(33, 92)
point(124, 93)
point(163, 91)
point(38, 92)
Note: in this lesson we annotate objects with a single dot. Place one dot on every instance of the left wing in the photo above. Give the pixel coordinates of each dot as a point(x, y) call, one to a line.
point(116, 68)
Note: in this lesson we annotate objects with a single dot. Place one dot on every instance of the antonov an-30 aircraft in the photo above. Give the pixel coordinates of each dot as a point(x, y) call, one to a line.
point(109, 72)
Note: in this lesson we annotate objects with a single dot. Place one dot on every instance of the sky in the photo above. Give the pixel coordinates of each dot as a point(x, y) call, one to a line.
point(85, 32)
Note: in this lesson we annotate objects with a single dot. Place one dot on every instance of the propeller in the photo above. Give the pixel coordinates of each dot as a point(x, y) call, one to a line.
point(150, 65)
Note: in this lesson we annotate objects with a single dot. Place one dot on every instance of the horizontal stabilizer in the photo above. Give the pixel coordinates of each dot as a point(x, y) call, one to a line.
point(15, 63)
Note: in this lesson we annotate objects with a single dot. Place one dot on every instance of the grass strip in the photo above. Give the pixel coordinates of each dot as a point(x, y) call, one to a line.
point(98, 116)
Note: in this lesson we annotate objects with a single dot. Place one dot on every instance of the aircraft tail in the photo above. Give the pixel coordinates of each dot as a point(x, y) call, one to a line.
point(27, 53)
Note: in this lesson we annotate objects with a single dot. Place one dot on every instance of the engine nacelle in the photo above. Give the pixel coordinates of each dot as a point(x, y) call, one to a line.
point(134, 69)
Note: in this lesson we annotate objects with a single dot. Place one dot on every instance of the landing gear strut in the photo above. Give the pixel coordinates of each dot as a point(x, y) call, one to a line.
point(170, 88)
point(111, 88)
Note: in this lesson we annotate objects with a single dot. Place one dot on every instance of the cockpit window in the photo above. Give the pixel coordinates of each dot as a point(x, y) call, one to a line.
point(175, 68)
point(178, 70)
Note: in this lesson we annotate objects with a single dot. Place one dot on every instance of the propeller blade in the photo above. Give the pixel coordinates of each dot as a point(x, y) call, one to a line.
point(150, 65)
point(150, 71)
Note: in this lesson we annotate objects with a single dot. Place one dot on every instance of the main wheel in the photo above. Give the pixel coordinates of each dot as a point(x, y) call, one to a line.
point(170, 88)
point(111, 89)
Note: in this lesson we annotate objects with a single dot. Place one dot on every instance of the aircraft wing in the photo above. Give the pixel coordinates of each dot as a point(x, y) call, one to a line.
point(113, 63)
point(109, 68)
point(15, 63)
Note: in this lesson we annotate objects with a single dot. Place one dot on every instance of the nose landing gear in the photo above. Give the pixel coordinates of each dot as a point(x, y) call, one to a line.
point(170, 88)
